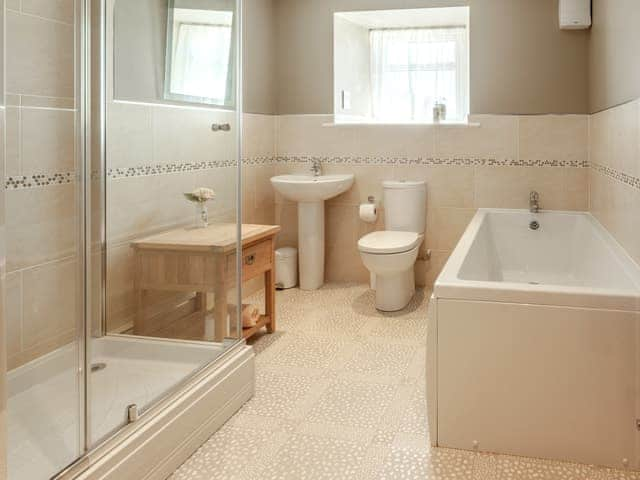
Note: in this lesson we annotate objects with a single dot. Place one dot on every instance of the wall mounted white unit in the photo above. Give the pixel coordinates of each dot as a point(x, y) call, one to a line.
point(575, 14)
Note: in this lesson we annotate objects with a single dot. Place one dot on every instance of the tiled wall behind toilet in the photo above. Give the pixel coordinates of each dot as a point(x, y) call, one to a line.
point(495, 162)
point(614, 181)
point(40, 178)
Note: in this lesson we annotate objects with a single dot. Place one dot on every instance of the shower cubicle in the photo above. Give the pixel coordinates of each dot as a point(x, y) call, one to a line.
point(115, 112)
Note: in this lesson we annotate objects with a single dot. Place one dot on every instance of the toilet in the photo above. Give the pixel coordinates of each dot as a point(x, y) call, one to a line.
point(390, 255)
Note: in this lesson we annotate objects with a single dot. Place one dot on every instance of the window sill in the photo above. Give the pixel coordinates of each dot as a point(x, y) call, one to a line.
point(365, 123)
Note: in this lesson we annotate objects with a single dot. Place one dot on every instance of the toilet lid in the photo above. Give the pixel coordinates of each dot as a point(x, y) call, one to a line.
point(389, 242)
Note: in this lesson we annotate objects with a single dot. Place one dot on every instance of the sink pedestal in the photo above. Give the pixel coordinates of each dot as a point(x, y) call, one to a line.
point(311, 244)
point(310, 192)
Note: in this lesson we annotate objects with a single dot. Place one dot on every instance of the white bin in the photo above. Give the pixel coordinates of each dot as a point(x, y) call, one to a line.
point(286, 267)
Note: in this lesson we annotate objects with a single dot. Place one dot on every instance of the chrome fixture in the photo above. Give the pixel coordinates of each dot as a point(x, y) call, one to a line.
point(221, 127)
point(534, 205)
point(132, 413)
point(96, 367)
point(534, 225)
point(316, 167)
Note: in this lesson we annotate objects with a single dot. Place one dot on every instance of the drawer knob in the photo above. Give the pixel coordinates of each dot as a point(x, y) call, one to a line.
point(250, 259)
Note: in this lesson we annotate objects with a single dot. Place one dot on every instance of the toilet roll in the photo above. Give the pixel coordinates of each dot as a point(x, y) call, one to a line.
point(368, 212)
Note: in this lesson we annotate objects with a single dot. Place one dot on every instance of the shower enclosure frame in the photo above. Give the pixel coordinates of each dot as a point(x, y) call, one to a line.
point(171, 429)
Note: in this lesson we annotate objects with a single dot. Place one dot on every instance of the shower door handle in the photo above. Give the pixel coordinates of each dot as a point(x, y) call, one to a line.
point(221, 127)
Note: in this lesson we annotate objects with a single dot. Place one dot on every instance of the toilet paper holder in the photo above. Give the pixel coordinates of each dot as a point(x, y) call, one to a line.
point(371, 199)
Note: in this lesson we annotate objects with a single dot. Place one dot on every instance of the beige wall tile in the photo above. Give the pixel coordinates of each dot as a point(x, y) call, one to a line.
point(264, 192)
point(624, 147)
point(367, 182)
point(41, 225)
point(445, 226)
point(600, 137)
point(395, 141)
point(447, 186)
point(509, 187)
point(40, 56)
point(427, 271)
point(259, 136)
point(120, 295)
point(248, 193)
point(47, 102)
point(13, 4)
point(12, 142)
point(343, 264)
point(146, 204)
point(307, 135)
point(341, 226)
point(129, 136)
point(60, 10)
point(554, 137)
point(287, 218)
point(496, 137)
point(185, 135)
point(48, 141)
point(576, 189)
point(49, 302)
point(13, 313)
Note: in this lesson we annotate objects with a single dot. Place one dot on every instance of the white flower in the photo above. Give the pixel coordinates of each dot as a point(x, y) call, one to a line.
point(204, 193)
point(201, 195)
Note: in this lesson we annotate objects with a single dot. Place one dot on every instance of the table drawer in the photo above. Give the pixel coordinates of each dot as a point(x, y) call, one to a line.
point(256, 259)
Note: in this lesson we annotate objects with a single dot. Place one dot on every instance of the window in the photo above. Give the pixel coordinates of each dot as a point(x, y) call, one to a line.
point(199, 60)
point(394, 66)
point(412, 69)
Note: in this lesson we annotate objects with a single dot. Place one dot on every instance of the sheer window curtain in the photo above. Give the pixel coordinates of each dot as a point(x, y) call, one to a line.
point(201, 61)
point(411, 69)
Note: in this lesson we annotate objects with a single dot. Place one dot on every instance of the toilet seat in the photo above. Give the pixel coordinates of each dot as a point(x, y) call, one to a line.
point(388, 242)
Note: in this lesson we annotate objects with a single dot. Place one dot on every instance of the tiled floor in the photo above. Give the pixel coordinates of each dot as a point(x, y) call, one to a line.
point(340, 394)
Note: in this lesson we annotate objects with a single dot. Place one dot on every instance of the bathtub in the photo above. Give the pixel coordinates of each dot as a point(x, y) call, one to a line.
point(533, 341)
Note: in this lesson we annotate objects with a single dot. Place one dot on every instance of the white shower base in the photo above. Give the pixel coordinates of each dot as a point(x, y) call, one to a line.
point(44, 402)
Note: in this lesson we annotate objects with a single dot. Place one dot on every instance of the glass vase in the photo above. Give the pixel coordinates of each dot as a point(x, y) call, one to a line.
point(202, 215)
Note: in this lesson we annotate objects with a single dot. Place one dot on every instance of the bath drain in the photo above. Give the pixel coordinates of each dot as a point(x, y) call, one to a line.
point(96, 367)
point(534, 283)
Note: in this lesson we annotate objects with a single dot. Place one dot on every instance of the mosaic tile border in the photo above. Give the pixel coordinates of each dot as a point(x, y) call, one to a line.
point(465, 161)
point(17, 182)
point(167, 168)
point(630, 180)
point(43, 180)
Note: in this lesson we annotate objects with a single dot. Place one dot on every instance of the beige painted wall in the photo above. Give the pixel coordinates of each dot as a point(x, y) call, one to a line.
point(614, 56)
point(140, 52)
point(259, 56)
point(521, 62)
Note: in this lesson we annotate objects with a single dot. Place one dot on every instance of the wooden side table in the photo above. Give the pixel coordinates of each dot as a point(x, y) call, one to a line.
point(203, 260)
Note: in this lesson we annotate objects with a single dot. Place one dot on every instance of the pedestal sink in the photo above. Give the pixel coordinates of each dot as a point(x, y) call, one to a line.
point(311, 192)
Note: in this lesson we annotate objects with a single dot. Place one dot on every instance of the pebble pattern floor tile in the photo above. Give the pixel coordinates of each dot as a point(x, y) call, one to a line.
point(340, 394)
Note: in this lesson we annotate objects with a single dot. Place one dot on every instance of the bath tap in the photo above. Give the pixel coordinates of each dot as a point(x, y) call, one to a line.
point(316, 167)
point(534, 205)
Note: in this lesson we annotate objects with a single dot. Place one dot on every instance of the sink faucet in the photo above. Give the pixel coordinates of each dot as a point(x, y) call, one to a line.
point(316, 167)
point(534, 205)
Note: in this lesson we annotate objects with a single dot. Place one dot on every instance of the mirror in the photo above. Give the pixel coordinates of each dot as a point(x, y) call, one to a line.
point(175, 51)
point(200, 51)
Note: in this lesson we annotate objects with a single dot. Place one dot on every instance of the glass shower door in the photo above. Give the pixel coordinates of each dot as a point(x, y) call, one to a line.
point(44, 203)
point(170, 180)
